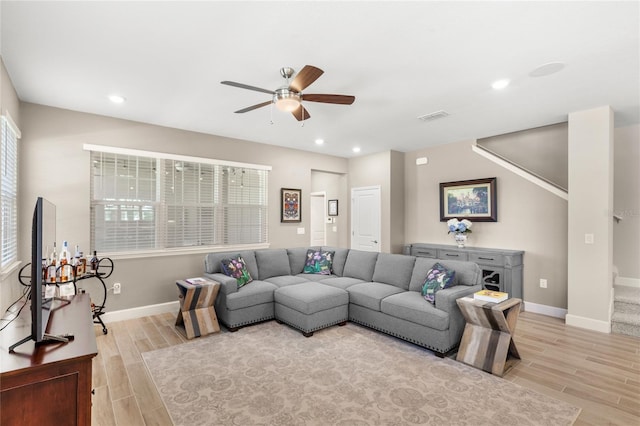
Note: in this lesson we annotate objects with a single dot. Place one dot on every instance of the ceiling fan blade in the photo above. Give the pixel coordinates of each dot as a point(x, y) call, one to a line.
point(330, 99)
point(252, 107)
point(300, 113)
point(246, 86)
point(305, 77)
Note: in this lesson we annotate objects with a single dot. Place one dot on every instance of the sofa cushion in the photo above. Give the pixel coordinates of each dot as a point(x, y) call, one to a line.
point(256, 293)
point(340, 282)
point(370, 295)
point(297, 258)
point(272, 263)
point(318, 262)
point(438, 277)
point(285, 280)
point(339, 259)
point(360, 264)
point(315, 277)
point(310, 298)
point(235, 267)
point(394, 269)
point(212, 261)
point(411, 306)
point(467, 273)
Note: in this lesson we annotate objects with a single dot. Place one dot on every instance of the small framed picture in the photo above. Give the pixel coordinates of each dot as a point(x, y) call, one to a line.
point(290, 205)
point(333, 207)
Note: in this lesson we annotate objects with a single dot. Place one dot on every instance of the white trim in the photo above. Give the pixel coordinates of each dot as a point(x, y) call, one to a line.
point(182, 251)
point(550, 311)
point(141, 311)
point(12, 124)
point(10, 269)
point(520, 172)
point(629, 282)
point(588, 323)
point(167, 156)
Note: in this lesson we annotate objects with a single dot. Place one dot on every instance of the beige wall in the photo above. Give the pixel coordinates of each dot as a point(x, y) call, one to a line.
point(529, 217)
point(10, 290)
point(590, 213)
point(626, 203)
point(54, 165)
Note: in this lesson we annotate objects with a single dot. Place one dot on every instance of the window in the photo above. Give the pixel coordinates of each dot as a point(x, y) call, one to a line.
point(159, 201)
point(9, 193)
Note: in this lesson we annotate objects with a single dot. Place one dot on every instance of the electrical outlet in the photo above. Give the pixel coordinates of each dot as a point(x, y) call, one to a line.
point(543, 283)
point(588, 238)
point(117, 287)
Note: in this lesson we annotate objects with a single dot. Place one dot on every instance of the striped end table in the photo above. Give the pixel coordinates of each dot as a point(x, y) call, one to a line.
point(487, 342)
point(197, 316)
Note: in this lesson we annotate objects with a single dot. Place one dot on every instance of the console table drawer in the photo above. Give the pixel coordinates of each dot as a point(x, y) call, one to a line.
point(424, 252)
point(452, 254)
point(487, 259)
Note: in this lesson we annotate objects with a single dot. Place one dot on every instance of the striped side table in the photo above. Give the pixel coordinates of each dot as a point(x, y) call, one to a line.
point(197, 316)
point(487, 342)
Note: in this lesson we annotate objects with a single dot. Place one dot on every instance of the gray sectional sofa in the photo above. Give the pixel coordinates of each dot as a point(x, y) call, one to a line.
point(378, 290)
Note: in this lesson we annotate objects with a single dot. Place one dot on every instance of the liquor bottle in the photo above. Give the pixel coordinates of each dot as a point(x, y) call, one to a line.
point(64, 261)
point(53, 259)
point(45, 270)
point(77, 263)
point(83, 264)
point(94, 263)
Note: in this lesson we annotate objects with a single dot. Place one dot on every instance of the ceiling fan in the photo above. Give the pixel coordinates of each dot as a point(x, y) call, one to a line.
point(289, 97)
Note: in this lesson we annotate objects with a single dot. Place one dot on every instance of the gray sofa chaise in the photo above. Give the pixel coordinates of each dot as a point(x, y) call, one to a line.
point(378, 290)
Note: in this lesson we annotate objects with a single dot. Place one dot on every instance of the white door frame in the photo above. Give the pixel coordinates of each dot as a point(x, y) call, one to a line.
point(322, 194)
point(353, 213)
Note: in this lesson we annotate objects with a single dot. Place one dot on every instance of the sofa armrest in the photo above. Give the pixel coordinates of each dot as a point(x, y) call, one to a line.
point(228, 284)
point(446, 298)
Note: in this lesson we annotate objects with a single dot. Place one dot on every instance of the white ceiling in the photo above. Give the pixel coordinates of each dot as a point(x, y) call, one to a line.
point(399, 59)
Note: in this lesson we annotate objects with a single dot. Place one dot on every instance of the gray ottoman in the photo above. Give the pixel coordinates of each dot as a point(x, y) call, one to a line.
point(311, 306)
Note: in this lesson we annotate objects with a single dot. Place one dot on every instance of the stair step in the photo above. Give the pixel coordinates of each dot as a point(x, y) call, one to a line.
point(627, 294)
point(625, 307)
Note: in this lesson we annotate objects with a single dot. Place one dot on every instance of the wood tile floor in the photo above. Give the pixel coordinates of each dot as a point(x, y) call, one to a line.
point(598, 372)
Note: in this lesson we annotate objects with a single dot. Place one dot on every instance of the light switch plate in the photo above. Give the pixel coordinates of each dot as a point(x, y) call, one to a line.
point(300, 231)
point(588, 238)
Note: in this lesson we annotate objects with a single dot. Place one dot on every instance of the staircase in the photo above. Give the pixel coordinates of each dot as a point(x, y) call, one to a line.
point(626, 311)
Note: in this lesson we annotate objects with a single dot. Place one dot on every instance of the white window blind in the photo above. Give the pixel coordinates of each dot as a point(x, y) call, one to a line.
point(9, 193)
point(155, 203)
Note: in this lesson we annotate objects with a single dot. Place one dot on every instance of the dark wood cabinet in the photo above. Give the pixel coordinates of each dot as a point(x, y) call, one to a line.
point(49, 384)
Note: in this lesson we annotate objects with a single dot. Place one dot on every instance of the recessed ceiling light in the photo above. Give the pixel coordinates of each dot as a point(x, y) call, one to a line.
point(356, 149)
point(117, 99)
point(547, 69)
point(319, 141)
point(500, 84)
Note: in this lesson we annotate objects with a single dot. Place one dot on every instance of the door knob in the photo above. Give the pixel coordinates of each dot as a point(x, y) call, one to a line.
point(374, 241)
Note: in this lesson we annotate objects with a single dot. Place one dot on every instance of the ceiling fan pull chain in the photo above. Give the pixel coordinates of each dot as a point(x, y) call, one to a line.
point(271, 112)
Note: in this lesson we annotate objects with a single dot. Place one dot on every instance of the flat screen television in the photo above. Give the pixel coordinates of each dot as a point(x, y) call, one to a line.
point(43, 236)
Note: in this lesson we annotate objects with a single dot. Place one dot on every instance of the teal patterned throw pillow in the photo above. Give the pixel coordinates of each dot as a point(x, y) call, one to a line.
point(318, 262)
point(438, 277)
point(236, 268)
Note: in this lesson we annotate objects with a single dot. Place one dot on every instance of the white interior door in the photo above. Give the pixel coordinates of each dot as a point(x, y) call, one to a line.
point(365, 218)
point(318, 214)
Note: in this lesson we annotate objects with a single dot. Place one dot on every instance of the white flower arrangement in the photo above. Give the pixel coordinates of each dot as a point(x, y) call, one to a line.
point(459, 226)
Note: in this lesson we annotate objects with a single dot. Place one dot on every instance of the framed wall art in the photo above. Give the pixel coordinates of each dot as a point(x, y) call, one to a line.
point(475, 200)
point(290, 205)
point(333, 208)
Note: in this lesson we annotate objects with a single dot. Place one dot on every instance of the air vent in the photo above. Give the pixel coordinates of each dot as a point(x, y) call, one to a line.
point(433, 115)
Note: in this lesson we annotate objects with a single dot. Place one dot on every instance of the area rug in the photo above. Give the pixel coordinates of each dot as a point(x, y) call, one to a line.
point(269, 374)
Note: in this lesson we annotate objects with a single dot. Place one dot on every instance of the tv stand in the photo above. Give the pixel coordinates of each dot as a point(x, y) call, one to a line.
point(49, 384)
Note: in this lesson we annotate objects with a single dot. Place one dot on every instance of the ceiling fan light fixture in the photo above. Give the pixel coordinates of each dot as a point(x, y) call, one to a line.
point(286, 100)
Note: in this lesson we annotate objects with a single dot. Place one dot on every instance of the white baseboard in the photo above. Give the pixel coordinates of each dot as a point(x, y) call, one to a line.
point(141, 311)
point(629, 282)
point(550, 311)
point(588, 323)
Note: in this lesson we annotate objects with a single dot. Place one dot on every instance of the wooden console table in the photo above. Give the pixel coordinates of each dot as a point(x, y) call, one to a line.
point(49, 384)
point(197, 316)
point(487, 342)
